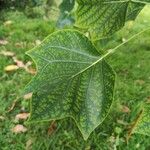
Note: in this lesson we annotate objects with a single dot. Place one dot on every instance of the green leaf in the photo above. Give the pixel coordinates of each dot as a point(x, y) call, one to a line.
point(133, 10)
point(104, 17)
point(67, 5)
point(73, 80)
point(143, 125)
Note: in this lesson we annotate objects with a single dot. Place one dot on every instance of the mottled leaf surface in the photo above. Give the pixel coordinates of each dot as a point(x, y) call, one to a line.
point(133, 10)
point(143, 126)
point(72, 81)
point(104, 17)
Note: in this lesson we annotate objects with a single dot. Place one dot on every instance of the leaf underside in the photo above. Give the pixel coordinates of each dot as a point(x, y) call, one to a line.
point(104, 17)
point(143, 126)
point(71, 81)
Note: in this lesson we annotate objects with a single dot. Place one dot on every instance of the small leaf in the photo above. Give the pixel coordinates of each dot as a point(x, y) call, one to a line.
point(7, 53)
point(3, 42)
point(29, 145)
point(19, 45)
point(8, 23)
point(11, 68)
point(37, 42)
point(19, 128)
point(19, 63)
point(143, 125)
point(140, 82)
point(2, 118)
point(122, 122)
point(104, 17)
point(73, 80)
point(13, 105)
point(52, 128)
point(27, 96)
point(31, 71)
point(22, 116)
point(125, 109)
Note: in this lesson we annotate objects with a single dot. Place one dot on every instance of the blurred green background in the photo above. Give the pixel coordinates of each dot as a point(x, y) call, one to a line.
point(25, 25)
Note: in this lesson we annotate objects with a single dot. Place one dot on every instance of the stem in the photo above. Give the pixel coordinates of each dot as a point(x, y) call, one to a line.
point(111, 51)
point(128, 40)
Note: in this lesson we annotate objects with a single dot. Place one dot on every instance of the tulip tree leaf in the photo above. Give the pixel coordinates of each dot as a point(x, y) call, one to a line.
point(133, 10)
point(104, 17)
point(73, 80)
point(143, 125)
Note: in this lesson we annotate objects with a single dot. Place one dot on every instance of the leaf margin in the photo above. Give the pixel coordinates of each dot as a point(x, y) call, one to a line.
point(29, 121)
